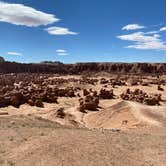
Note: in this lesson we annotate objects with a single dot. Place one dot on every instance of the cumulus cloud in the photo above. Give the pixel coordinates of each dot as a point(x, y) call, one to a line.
point(163, 29)
point(133, 27)
point(143, 41)
point(14, 53)
point(59, 31)
point(20, 14)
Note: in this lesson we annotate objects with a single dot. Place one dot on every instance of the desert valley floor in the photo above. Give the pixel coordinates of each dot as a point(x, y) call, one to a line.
point(95, 120)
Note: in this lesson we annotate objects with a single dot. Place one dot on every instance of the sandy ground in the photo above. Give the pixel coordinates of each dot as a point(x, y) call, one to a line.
point(119, 133)
point(27, 141)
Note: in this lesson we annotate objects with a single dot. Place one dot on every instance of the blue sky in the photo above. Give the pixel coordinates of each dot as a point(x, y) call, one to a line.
point(83, 30)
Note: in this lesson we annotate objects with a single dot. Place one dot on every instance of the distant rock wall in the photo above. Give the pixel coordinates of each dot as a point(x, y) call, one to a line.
point(78, 68)
point(2, 60)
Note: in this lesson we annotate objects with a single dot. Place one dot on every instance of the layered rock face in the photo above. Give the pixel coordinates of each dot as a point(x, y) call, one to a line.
point(78, 68)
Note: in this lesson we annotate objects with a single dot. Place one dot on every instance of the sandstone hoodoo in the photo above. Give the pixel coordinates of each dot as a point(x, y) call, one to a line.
point(85, 92)
point(35, 89)
point(89, 102)
point(141, 97)
point(18, 89)
point(104, 81)
point(106, 94)
point(16, 99)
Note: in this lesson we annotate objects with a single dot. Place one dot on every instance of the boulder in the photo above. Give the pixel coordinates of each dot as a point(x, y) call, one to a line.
point(39, 103)
point(60, 113)
point(106, 94)
point(85, 92)
point(4, 101)
point(160, 88)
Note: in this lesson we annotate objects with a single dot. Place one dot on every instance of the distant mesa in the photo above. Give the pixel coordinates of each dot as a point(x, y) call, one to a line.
point(2, 60)
point(51, 62)
point(82, 68)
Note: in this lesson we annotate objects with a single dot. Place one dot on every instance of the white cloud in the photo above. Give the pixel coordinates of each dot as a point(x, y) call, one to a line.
point(138, 37)
point(63, 54)
point(143, 41)
point(149, 46)
point(133, 27)
point(14, 53)
point(152, 32)
point(60, 31)
point(163, 29)
point(61, 51)
point(20, 14)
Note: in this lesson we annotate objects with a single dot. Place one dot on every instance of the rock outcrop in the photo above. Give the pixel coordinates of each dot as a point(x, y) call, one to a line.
point(141, 97)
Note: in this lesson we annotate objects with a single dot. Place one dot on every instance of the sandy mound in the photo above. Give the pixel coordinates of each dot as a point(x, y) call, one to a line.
point(114, 114)
point(69, 116)
point(127, 115)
